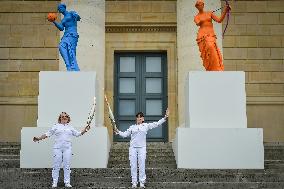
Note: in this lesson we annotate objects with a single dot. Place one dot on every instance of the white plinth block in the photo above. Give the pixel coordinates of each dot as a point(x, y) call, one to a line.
point(219, 148)
point(216, 100)
point(70, 92)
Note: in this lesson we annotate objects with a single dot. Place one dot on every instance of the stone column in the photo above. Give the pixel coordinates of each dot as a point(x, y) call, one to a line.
point(91, 45)
point(187, 49)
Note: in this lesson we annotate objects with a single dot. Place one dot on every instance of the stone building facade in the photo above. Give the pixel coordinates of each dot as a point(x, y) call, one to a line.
point(254, 43)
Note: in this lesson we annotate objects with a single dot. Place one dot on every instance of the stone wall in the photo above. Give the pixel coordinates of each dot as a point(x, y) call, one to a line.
point(254, 43)
point(28, 44)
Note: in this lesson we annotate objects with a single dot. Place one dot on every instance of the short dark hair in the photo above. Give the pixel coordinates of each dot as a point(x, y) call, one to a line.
point(68, 117)
point(140, 114)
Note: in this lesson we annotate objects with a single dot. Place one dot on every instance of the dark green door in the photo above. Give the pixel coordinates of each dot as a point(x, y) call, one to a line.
point(140, 85)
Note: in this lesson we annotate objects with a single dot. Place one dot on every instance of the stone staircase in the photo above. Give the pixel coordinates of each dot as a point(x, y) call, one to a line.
point(159, 155)
point(161, 171)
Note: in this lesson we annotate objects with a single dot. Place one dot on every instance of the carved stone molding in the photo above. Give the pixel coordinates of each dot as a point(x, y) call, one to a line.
point(140, 29)
point(18, 100)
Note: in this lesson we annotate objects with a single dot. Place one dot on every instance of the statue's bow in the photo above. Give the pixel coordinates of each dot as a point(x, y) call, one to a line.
point(228, 17)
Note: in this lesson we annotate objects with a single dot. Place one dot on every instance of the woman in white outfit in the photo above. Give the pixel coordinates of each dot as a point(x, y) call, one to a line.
point(62, 149)
point(137, 147)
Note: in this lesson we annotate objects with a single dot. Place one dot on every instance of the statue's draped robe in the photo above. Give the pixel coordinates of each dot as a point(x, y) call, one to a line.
point(206, 40)
point(69, 42)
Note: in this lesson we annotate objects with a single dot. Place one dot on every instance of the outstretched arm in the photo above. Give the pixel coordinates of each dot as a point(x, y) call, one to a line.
point(36, 139)
point(160, 122)
point(220, 19)
point(83, 131)
point(123, 134)
point(45, 135)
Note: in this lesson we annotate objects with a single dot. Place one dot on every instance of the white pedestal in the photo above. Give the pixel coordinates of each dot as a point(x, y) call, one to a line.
point(215, 135)
point(71, 92)
point(237, 148)
point(216, 100)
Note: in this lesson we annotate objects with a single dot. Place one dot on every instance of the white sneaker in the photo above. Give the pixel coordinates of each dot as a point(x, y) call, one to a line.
point(54, 185)
point(68, 185)
point(134, 185)
point(142, 185)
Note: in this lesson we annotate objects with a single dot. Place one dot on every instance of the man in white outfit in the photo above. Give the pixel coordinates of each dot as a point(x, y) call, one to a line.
point(137, 147)
point(62, 148)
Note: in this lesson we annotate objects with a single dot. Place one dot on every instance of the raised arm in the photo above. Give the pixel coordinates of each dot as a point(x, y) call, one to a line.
point(220, 19)
point(83, 131)
point(160, 122)
point(123, 134)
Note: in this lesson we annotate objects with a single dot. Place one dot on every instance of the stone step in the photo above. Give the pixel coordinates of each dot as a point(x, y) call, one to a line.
point(169, 150)
point(280, 167)
point(169, 160)
point(104, 172)
point(277, 167)
point(149, 156)
point(173, 166)
point(10, 144)
point(153, 176)
point(149, 152)
point(149, 160)
point(9, 156)
point(9, 150)
point(14, 162)
point(120, 184)
point(273, 144)
point(274, 154)
point(271, 155)
point(9, 163)
point(110, 184)
point(204, 185)
point(153, 145)
point(149, 165)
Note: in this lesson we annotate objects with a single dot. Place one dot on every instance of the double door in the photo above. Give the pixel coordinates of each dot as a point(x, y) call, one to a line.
point(140, 86)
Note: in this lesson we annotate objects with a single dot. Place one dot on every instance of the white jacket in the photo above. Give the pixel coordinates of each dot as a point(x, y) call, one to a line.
point(138, 133)
point(63, 134)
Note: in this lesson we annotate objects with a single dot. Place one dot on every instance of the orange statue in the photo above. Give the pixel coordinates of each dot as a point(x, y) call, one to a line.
point(206, 38)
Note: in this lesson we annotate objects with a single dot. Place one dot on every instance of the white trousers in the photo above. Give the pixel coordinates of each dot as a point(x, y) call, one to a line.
point(140, 154)
point(61, 155)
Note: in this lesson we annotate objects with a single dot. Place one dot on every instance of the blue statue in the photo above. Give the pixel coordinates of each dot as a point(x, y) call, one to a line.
point(68, 43)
